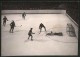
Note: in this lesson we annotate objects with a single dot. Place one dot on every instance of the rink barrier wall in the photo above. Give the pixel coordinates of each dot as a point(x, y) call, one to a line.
point(72, 20)
point(33, 11)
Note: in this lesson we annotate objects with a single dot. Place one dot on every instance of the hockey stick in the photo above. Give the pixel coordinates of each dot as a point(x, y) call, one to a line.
point(33, 33)
point(18, 26)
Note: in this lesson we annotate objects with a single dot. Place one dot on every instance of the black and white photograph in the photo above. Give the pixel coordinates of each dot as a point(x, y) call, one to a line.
point(39, 28)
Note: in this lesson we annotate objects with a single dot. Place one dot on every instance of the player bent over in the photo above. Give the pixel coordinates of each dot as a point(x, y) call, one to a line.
point(30, 34)
point(12, 25)
point(41, 26)
point(4, 20)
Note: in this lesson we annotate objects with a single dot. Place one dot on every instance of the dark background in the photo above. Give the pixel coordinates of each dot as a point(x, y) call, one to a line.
point(71, 7)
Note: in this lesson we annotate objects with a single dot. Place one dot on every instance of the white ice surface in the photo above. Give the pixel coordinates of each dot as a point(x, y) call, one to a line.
point(14, 44)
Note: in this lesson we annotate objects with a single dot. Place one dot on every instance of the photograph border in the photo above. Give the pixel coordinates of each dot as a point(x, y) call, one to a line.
point(42, 1)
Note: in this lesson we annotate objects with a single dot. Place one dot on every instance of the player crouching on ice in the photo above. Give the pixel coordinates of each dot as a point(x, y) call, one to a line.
point(30, 34)
point(12, 25)
point(42, 26)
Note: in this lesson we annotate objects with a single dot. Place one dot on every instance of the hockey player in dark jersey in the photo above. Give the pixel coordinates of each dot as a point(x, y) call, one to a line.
point(12, 25)
point(41, 26)
point(23, 15)
point(4, 20)
point(30, 34)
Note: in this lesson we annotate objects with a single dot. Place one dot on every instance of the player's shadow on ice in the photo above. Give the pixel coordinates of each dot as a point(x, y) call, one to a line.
point(38, 40)
point(26, 40)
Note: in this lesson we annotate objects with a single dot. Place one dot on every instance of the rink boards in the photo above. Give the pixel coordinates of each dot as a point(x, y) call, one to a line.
point(33, 11)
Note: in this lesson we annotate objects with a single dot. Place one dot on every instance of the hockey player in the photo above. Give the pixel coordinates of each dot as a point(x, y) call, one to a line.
point(12, 25)
point(4, 20)
point(23, 15)
point(30, 34)
point(41, 26)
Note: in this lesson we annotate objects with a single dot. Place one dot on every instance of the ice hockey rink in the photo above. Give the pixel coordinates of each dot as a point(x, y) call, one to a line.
point(17, 43)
